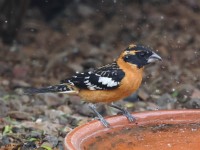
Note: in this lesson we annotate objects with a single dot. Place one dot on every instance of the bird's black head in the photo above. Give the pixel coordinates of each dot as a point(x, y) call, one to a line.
point(139, 55)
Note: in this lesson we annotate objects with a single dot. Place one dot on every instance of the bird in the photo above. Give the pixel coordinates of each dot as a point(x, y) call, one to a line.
point(109, 83)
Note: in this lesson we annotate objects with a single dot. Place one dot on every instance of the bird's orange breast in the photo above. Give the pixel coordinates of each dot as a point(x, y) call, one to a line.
point(129, 84)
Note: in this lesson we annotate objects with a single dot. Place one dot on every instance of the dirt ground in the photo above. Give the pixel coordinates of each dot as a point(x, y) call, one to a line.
point(53, 44)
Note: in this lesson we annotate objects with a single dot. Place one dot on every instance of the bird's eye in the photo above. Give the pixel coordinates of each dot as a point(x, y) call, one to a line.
point(126, 57)
point(142, 54)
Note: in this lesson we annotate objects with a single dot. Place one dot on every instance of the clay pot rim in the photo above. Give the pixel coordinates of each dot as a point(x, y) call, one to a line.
point(120, 121)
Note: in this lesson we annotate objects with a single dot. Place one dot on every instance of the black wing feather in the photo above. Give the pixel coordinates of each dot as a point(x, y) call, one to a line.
point(90, 80)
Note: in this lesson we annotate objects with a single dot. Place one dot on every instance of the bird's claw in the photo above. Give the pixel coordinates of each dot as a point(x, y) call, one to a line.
point(124, 112)
point(130, 117)
point(103, 121)
point(99, 116)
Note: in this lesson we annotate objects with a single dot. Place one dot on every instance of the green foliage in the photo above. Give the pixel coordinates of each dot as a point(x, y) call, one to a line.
point(33, 139)
point(46, 147)
point(7, 129)
point(175, 94)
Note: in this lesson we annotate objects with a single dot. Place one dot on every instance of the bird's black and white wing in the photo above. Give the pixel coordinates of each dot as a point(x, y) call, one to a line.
point(104, 78)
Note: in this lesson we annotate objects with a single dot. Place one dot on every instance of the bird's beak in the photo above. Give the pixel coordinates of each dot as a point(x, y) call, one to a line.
point(154, 57)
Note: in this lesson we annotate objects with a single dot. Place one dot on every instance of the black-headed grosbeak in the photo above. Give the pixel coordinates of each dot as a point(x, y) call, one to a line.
point(108, 83)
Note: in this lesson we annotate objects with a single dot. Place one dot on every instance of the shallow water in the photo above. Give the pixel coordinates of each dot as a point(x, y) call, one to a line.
point(155, 137)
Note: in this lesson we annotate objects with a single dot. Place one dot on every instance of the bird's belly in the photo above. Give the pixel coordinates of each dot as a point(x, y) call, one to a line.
point(108, 96)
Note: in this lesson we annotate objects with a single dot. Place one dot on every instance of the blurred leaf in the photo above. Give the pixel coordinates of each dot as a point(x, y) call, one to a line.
point(46, 147)
point(7, 130)
point(6, 97)
point(129, 105)
point(32, 139)
point(175, 94)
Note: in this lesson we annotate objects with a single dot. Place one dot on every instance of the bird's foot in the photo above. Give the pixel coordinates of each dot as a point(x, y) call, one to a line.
point(99, 116)
point(103, 121)
point(130, 117)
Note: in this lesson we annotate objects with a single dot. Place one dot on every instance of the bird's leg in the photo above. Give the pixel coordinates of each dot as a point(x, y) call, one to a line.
point(100, 117)
point(124, 112)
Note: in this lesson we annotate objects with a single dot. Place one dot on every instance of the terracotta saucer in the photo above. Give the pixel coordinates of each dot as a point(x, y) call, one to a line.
point(154, 130)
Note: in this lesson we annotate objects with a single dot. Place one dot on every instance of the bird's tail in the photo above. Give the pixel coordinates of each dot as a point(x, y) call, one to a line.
point(60, 88)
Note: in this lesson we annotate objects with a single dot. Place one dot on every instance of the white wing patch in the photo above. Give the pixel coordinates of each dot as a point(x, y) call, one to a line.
point(107, 81)
point(91, 86)
point(104, 78)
